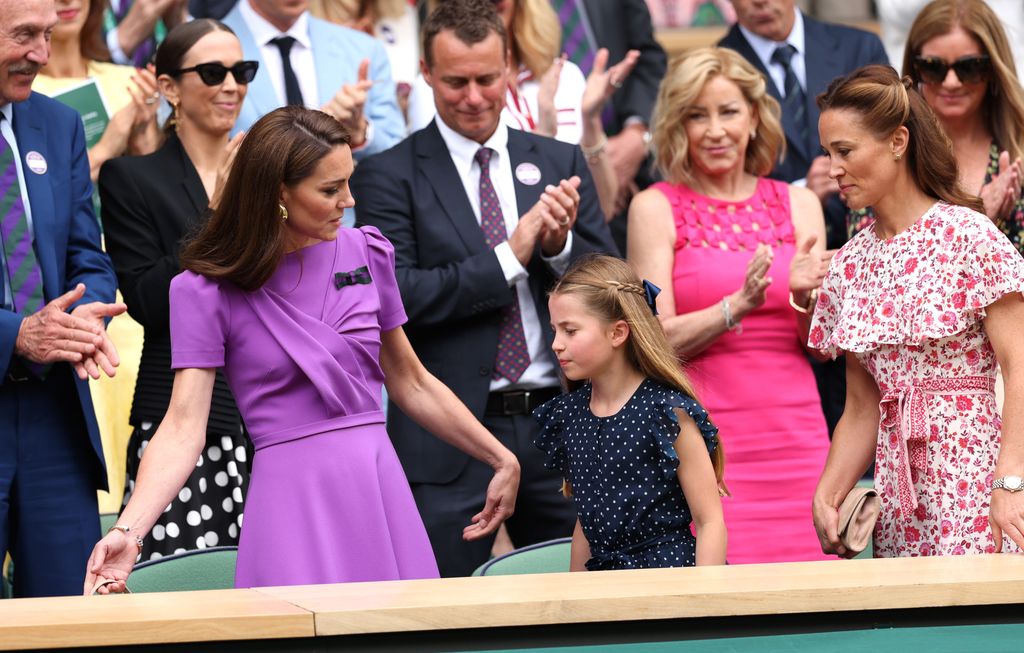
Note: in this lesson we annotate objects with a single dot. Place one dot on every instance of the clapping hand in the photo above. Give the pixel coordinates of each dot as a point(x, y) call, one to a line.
point(1001, 194)
point(602, 83)
point(807, 269)
point(224, 169)
point(755, 284)
point(347, 104)
point(549, 220)
point(547, 113)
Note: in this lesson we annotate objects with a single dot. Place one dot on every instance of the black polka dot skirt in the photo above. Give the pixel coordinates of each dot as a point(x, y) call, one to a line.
point(208, 509)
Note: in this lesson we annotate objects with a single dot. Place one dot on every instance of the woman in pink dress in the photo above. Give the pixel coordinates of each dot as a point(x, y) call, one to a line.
point(927, 300)
point(735, 252)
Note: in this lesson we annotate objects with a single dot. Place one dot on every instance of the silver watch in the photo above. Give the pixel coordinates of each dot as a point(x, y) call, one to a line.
point(1009, 483)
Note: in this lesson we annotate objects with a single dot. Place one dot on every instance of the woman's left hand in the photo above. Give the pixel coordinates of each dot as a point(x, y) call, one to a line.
point(547, 113)
point(1001, 194)
point(808, 268)
point(602, 84)
point(500, 503)
point(1006, 517)
point(144, 138)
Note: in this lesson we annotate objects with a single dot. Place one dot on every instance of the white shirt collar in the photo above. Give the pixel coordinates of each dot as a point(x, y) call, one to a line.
point(764, 48)
point(263, 32)
point(463, 150)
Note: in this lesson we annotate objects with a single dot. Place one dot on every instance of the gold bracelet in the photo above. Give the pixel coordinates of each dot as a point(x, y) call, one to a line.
point(592, 153)
point(811, 298)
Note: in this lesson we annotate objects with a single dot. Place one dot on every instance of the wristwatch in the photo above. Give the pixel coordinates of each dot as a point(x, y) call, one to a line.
point(1009, 483)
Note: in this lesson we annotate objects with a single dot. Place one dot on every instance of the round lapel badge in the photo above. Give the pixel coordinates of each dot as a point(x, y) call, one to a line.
point(36, 162)
point(528, 173)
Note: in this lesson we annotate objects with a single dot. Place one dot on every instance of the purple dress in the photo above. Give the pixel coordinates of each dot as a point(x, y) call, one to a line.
point(328, 501)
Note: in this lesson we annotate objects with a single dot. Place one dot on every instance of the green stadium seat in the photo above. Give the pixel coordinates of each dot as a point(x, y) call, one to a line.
point(201, 569)
point(541, 558)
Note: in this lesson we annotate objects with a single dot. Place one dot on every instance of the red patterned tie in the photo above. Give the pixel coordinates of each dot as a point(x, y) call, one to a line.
point(513, 356)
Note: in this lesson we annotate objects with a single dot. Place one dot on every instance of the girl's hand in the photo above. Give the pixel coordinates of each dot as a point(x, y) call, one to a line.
point(602, 84)
point(755, 285)
point(225, 169)
point(547, 113)
point(111, 561)
point(1001, 194)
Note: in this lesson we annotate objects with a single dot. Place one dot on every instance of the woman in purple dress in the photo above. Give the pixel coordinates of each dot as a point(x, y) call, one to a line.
point(305, 319)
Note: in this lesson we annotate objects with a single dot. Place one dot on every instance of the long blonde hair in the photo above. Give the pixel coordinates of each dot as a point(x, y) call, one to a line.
point(610, 289)
point(1004, 102)
point(344, 12)
point(687, 75)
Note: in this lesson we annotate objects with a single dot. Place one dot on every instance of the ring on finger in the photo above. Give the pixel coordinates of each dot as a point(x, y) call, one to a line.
point(615, 83)
point(563, 221)
point(151, 100)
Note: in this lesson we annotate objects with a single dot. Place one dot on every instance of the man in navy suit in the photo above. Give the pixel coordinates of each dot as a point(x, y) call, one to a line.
point(800, 56)
point(483, 219)
point(56, 286)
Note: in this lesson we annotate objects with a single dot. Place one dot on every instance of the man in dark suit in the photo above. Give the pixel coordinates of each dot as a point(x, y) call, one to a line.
point(483, 219)
point(56, 285)
point(800, 56)
point(619, 26)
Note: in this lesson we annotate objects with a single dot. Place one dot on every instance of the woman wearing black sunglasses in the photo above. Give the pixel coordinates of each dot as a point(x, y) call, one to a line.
point(149, 204)
point(958, 55)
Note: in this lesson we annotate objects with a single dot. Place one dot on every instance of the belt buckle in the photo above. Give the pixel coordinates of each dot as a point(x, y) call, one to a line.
point(516, 402)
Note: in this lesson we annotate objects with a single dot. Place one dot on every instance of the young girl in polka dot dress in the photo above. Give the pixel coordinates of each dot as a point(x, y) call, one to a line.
point(640, 457)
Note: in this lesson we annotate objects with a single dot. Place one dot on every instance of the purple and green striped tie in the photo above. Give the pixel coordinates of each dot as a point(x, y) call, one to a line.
point(26, 279)
point(575, 37)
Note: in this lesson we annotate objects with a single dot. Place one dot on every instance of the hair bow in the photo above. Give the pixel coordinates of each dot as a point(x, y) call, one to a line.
point(651, 291)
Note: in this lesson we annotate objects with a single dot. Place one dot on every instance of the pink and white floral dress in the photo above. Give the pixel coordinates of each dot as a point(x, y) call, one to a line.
point(911, 308)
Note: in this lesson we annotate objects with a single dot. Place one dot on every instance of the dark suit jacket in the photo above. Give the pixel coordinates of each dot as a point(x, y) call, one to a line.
point(150, 204)
point(451, 282)
point(67, 235)
point(831, 51)
point(621, 26)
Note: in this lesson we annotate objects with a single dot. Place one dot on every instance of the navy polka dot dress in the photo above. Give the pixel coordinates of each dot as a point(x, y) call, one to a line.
point(622, 469)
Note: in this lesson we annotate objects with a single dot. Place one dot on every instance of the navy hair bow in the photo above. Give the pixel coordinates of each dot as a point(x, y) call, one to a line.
point(651, 291)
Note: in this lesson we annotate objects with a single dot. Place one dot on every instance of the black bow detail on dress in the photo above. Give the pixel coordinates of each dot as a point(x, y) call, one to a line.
point(358, 276)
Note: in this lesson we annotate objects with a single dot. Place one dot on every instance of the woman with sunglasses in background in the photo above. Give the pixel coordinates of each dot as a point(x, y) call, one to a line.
point(150, 203)
point(958, 55)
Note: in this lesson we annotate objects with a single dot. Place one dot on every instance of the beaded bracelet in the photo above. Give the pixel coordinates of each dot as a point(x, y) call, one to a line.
point(594, 152)
point(730, 323)
point(126, 530)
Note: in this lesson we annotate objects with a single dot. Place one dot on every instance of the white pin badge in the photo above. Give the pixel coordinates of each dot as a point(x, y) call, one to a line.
point(36, 162)
point(528, 174)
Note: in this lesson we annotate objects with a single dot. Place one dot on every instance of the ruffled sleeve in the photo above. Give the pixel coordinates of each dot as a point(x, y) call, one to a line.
point(200, 321)
point(551, 416)
point(665, 426)
point(381, 255)
point(827, 309)
point(992, 268)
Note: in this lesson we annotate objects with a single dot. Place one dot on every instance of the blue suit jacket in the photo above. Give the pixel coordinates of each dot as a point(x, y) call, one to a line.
point(337, 52)
point(67, 234)
point(830, 51)
point(451, 282)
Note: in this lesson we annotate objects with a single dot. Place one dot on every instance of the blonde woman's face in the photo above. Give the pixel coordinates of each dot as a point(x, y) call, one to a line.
point(953, 99)
point(718, 126)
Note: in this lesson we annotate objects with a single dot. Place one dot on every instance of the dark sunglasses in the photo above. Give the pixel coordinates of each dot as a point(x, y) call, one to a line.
point(969, 70)
point(214, 73)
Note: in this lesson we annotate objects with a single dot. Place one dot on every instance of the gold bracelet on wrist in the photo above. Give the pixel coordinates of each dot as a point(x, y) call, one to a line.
point(594, 152)
point(811, 298)
point(127, 531)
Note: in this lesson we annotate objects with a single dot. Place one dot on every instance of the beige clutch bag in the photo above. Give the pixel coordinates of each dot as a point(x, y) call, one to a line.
point(857, 516)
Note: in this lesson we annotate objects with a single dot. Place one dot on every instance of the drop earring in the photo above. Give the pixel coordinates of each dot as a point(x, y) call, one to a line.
point(284, 212)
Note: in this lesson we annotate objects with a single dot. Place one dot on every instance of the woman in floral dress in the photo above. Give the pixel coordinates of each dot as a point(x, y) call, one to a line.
point(927, 299)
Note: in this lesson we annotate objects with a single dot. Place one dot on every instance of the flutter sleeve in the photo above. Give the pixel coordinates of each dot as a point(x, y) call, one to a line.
point(381, 255)
point(551, 439)
point(991, 269)
point(200, 322)
point(665, 427)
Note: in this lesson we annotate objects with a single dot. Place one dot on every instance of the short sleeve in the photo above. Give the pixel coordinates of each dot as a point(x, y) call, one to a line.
point(551, 438)
point(665, 428)
point(992, 269)
point(826, 311)
point(381, 255)
point(200, 318)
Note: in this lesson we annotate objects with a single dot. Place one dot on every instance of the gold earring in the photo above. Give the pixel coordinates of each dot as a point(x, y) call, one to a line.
point(284, 212)
point(897, 156)
point(753, 133)
point(174, 115)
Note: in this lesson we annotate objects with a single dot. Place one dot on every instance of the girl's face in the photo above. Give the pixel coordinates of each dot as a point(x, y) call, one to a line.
point(862, 163)
point(584, 343)
point(317, 203)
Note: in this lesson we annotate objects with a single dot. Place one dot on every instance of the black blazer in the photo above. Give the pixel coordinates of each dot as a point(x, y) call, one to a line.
point(621, 26)
point(831, 51)
point(150, 204)
point(451, 282)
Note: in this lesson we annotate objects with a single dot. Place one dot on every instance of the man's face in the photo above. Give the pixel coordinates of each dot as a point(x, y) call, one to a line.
point(282, 14)
point(771, 19)
point(469, 83)
point(25, 28)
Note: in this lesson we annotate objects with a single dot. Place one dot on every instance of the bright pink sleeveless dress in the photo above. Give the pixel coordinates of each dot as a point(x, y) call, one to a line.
point(757, 385)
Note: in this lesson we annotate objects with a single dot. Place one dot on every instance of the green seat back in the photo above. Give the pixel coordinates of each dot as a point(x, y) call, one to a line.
point(202, 569)
point(541, 558)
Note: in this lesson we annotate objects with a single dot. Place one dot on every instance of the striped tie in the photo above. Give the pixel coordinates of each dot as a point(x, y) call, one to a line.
point(794, 105)
point(26, 280)
point(575, 37)
point(513, 355)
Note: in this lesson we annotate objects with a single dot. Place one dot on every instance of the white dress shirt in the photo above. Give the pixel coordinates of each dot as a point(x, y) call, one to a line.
point(764, 48)
point(301, 55)
point(541, 373)
point(7, 129)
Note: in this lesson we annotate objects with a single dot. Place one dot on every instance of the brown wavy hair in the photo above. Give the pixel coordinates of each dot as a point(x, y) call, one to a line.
point(244, 240)
point(885, 103)
point(1004, 104)
point(687, 75)
point(611, 290)
point(91, 43)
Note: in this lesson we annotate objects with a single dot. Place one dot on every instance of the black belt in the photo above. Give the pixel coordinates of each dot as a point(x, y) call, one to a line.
point(518, 402)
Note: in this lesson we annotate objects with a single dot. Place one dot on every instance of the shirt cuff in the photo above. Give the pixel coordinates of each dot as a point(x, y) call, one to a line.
point(117, 55)
point(367, 139)
point(559, 263)
point(510, 266)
